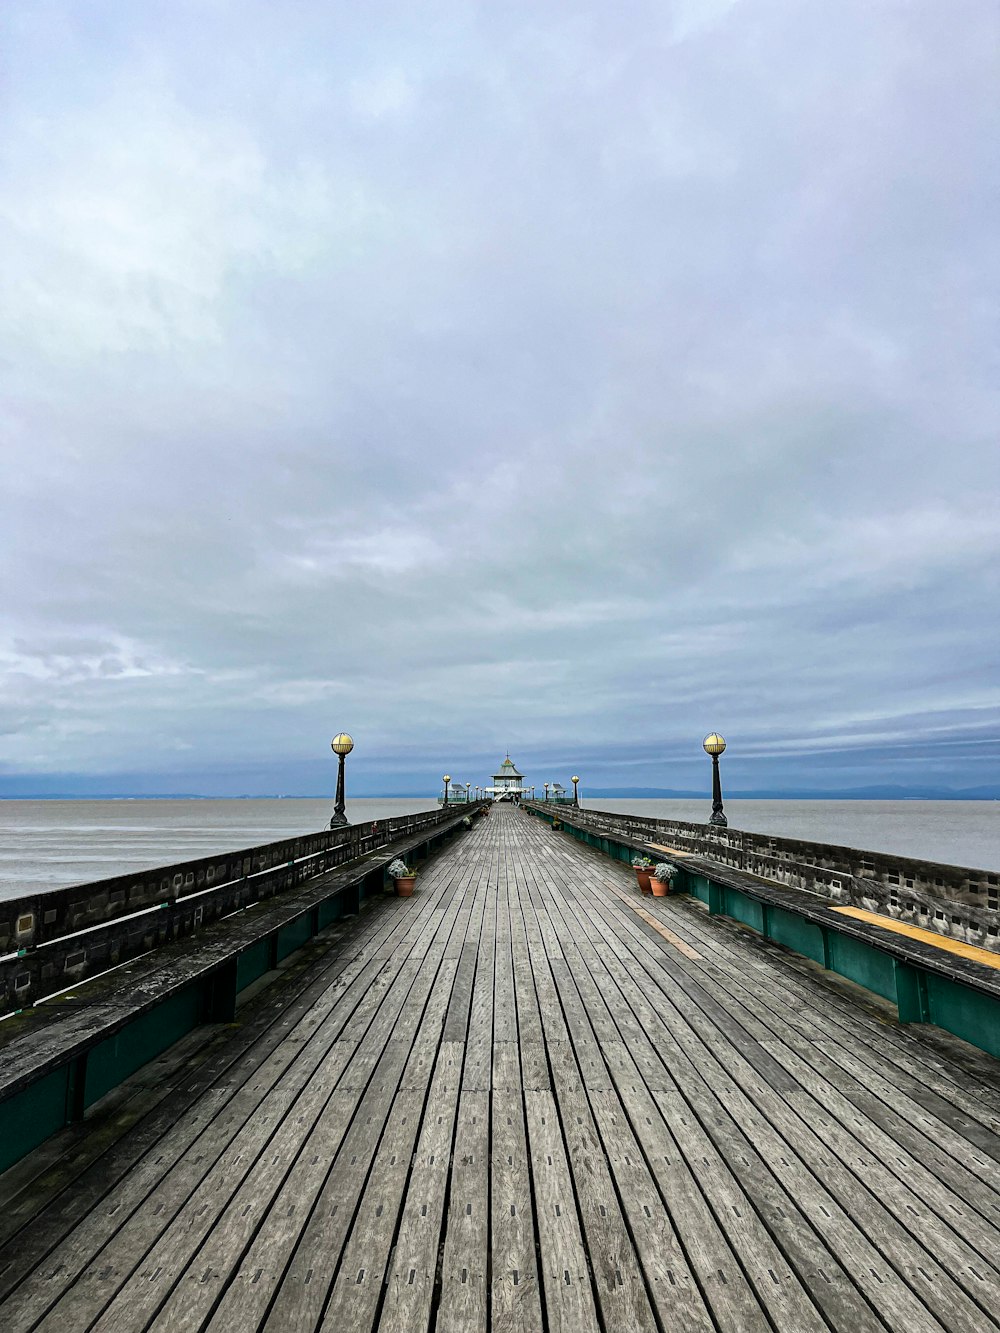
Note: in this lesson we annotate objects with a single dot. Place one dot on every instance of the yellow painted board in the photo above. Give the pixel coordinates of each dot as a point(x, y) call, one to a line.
point(681, 945)
point(672, 851)
point(970, 951)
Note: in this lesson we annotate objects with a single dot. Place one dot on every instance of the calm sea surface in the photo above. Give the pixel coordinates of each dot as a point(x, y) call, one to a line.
point(46, 844)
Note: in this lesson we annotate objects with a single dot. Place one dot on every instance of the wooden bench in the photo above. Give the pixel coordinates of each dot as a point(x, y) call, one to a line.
point(928, 982)
point(60, 1056)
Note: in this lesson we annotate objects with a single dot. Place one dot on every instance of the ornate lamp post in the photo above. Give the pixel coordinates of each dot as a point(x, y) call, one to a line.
point(714, 745)
point(576, 792)
point(341, 745)
point(446, 779)
point(546, 786)
point(468, 788)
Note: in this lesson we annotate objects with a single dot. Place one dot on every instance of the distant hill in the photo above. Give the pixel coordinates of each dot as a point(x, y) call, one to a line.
point(874, 793)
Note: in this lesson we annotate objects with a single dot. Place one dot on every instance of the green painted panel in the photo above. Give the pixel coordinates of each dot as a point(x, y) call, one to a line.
point(861, 963)
point(742, 908)
point(294, 935)
point(698, 886)
point(140, 1041)
point(28, 1118)
point(332, 909)
point(252, 963)
point(794, 932)
point(969, 1014)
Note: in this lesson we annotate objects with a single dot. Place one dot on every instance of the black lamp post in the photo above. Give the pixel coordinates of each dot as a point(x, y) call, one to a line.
point(576, 793)
point(341, 745)
point(468, 788)
point(446, 779)
point(714, 745)
point(546, 786)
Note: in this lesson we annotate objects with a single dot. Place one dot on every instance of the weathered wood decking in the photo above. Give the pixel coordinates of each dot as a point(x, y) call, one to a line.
point(526, 1099)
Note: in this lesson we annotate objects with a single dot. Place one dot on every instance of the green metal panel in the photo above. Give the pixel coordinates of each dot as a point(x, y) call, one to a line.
point(293, 935)
point(861, 963)
point(142, 1040)
point(911, 993)
point(252, 963)
point(28, 1118)
point(697, 885)
point(968, 1013)
point(794, 932)
point(332, 909)
point(742, 908)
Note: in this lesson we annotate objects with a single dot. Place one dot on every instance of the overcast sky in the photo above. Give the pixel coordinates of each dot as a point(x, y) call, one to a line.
point(573, 377)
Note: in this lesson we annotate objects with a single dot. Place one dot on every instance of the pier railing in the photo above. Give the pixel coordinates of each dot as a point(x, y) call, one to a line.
point(956, 901)
point(53, 940)
point(956, 987)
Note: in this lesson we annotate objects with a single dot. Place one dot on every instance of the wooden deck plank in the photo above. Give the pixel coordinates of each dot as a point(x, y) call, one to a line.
point(152, 1196)
point(793, 1143)
point(565, 1269)
point(949, 1186)
point(465, 1264)
point(889, 1049)
point(145, 1155)
point(515, 1299)
point(950, 1120)
point(302, 1292)
point(413, 1270)
point(673, 1229)
point(215, 1224)
point(636, 985)
point(817, 1099)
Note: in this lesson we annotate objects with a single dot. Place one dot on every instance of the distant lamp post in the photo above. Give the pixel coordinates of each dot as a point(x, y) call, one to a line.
point(468, 788)
point(341, 745)
point(446, 779)
point(576, 791)
point(546, 786)
point(714, 745)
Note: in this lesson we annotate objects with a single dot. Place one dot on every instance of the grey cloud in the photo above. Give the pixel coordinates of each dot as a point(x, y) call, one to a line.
point(552, 375)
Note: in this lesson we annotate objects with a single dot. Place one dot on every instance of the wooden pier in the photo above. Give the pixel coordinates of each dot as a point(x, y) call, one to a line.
point(527, 1098)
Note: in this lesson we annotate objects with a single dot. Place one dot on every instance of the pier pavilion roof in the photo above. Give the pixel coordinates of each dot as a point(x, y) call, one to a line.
point(507, 770)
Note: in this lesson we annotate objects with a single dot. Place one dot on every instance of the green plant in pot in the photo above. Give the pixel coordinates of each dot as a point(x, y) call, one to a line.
point(404, 876)
point(663, 877)
point(643, 868)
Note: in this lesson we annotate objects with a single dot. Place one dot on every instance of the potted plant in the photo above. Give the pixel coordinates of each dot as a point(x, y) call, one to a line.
point(404, 878)
point(663, 877)
point(643, 867)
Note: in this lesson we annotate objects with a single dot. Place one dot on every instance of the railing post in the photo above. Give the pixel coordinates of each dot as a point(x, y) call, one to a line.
point(76, 1090)
point(911, 993)
point(220, 993)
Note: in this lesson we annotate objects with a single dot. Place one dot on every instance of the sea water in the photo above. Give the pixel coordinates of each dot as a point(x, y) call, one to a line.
point(49, 844)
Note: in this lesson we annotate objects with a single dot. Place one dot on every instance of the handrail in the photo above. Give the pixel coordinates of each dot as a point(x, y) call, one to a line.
point(956, 901)
point(125, 915)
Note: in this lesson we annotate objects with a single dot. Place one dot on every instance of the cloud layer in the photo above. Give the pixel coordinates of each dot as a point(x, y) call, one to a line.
point(552, 376)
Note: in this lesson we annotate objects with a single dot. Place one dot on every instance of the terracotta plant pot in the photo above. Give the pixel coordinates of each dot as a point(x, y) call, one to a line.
point(404, 886)
point(643, 876)
point(660, 887)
